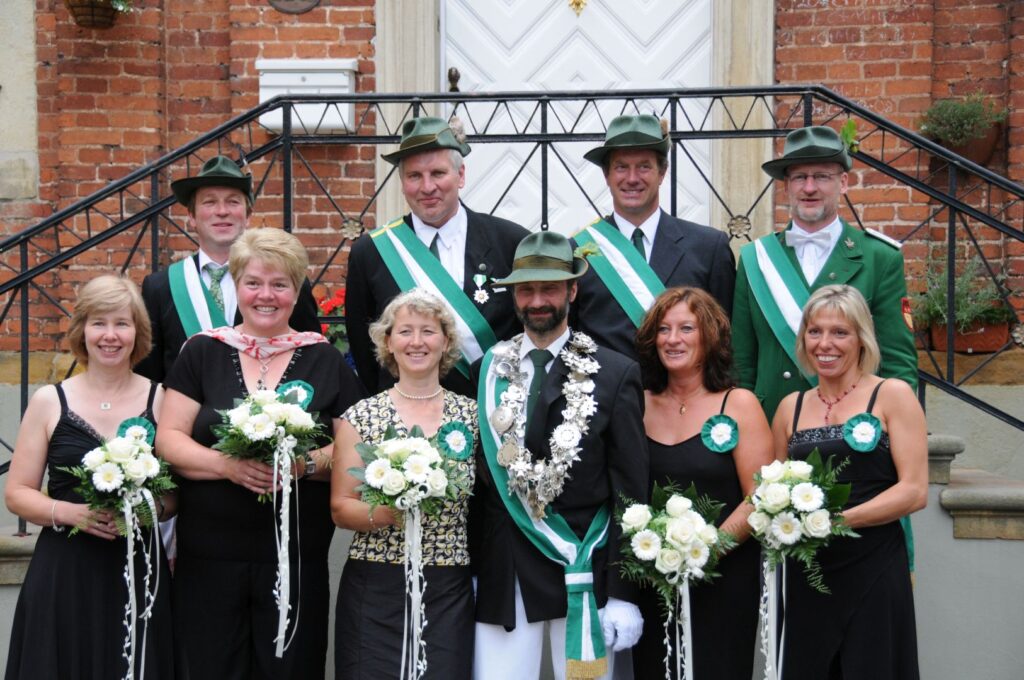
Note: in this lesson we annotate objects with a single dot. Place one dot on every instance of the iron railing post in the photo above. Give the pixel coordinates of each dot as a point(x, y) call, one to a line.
point(808, 106)
point(286, 166)
point(154, 236)
point(25, 356)
point(674, 176)
point(544, 165)
point(951, 281)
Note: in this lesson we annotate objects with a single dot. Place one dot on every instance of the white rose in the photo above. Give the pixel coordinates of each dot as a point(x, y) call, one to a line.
point(680, 532)
point(759, 522)
point(277, 411)
point(120, 450)
point(299, 419)
point(239, 415)
point(775, 498)
point(394, 482)
point(108, 477)
point(135, 470)
point(437, 483)
point(424, 448)
point(635, 518)
point(698, 521)
point(806, 497)
point(721, 433)
point(817, 524)
point(708, 534)
point(772, 473)
point(376, 472)
point(259, 427)
point(786, 528)
point(645, 545)
point(799, 469)
point(697, 555)
point(264, 397)
point(150, 464)
point(416, 468)
point(94, 459)
point(863, 433)
point(677, 505)
point(668, 561)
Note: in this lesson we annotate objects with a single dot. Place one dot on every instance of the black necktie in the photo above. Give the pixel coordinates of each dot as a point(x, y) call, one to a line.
point(433, 248)
point(540, 359)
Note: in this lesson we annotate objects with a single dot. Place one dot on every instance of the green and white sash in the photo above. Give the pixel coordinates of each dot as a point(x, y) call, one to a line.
point(555, 539)
point(629, 278)
point(412, 265)
point(187, 292)
point(779, 290)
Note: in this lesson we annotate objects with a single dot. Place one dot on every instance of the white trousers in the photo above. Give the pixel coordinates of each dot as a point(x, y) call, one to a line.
point(516, 655)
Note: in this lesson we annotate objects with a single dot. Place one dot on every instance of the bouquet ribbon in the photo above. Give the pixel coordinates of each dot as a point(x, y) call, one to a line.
point(282, 589)
point(555, 539)
point(131, 614)
point(414, 650)
point(772, 578)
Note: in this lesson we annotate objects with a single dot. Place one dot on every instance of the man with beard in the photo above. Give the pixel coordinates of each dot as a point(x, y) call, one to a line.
point(562, 443)
point(778, 272)
point(441, 246)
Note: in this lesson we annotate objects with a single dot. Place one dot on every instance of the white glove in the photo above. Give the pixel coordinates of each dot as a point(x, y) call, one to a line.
point(622, 624)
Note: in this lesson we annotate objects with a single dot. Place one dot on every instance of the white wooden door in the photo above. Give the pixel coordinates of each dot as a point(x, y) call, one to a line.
point(541, 45)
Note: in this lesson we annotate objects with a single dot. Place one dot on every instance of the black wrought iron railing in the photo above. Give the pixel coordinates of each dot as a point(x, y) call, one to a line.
point(943, 207)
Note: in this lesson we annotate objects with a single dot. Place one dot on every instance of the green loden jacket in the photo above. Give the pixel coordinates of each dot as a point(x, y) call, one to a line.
point(869, 263)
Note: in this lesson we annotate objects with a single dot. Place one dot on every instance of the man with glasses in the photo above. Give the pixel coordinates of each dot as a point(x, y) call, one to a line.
point(778, 272)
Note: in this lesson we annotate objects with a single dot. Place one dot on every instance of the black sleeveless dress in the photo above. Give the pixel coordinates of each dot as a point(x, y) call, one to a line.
point(724, 612)
point(68, 621)
point(866, 627)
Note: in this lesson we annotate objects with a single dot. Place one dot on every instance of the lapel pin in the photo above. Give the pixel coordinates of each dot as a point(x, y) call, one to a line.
point(848, 242)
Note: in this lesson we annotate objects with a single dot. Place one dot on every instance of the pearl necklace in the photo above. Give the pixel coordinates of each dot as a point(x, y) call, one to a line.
point(425, 397)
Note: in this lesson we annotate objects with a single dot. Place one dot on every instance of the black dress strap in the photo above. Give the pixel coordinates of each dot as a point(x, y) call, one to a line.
point(62, 397)
point(874, 395)
point(152, 397)
point(796, 411)
point(725, 399)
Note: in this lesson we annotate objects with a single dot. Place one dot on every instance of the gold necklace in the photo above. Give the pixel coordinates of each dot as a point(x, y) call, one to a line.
point(682, 402)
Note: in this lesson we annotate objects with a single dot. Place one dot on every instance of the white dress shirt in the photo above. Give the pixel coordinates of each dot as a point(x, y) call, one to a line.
point(451, 242)
point(649, 227)
point(227, 287)
point(812, 256)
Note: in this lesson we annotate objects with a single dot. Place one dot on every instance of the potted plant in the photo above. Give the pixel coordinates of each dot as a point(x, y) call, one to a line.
point(97, 13)
point(969, 127)
point(982, 316)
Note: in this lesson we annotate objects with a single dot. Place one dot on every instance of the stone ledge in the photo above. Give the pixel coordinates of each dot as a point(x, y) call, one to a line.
point(15, 554)
point(942, 449)
point(984, 505)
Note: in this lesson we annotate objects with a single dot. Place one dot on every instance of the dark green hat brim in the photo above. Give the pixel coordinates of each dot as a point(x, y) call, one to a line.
point(533, 274)
point(425, 134)
point(631, 133)
point(816, 144)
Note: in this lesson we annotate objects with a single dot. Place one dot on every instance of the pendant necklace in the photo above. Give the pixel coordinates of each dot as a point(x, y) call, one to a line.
point(264, 368)
point(830, 403)
point(682, 403)
point(413, 397)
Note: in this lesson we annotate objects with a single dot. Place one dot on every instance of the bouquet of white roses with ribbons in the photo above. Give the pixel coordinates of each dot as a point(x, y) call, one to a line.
point(274, 427)
point(414, 475)
point(123, 475)
point(669, 544)
point(797, 511)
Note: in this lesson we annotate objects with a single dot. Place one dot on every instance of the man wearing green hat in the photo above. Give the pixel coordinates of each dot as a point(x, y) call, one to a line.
point(562, 443)
point(196, 293)
point(644, 249)
point(778, 272)
point(441, 246)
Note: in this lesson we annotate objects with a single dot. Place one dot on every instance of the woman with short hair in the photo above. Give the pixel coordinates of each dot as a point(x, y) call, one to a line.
point(875, 430)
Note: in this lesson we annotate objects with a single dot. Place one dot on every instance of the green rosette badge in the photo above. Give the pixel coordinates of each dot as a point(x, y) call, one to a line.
point(862, 432)
point(296, 392)
point(455, 440)
point(720, 433)
point(138, 429)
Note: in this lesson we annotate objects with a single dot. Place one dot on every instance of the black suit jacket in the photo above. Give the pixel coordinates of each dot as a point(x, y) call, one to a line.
point(683, 254)
point(490, 247)
point(169, 335)
point(613, 463)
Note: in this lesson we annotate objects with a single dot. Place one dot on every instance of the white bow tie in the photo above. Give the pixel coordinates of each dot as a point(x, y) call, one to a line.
point(821, 240)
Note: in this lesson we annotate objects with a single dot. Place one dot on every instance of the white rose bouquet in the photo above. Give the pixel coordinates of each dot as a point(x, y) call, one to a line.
point(269, 422)
point(120, 471)
point(414, 472)
point(797, 506)
point(669, 544)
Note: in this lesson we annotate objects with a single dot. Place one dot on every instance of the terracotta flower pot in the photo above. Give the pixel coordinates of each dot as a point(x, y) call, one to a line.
point(92, 13)
point(980, 150)
point(979, 338)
